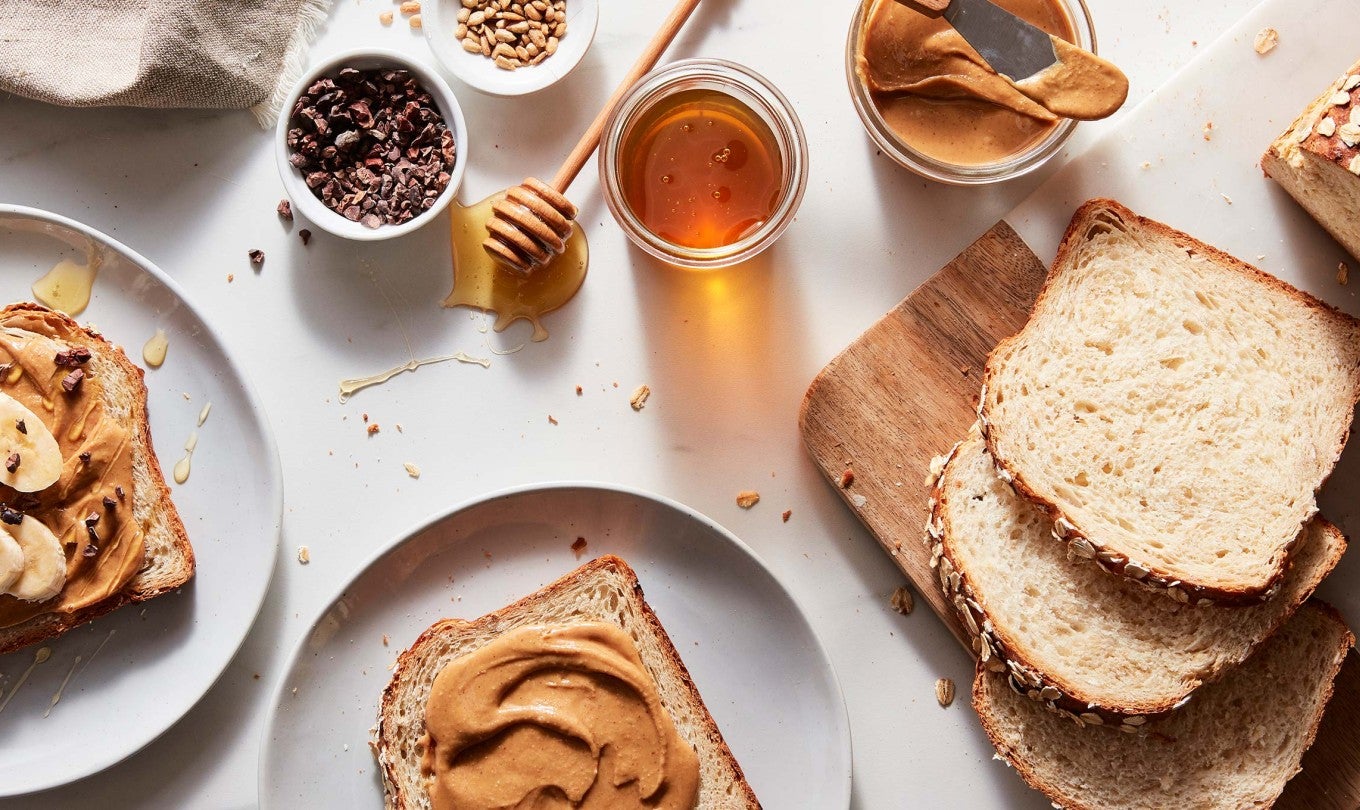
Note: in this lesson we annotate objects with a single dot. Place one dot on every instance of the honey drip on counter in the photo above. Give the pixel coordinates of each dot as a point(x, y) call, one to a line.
point(701, 169)
point(349, 387)
point(481, 282)
point(67, 286)
point(154, 350)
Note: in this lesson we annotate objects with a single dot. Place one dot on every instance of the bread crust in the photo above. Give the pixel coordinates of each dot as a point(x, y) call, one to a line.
point(140, 588)
point(997, 651)
point(386, 732)
point(1036, 781)
point(1115, 561)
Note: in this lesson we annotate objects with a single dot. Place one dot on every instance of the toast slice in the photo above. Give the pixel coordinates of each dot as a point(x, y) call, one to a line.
point(1233, 747)
point(1317, 160)
point(1173, 409)
point(168, 561)
point(1103, 649)
point(603, 590)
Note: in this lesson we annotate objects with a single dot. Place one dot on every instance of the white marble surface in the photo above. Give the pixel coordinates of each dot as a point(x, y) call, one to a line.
point(727, 355)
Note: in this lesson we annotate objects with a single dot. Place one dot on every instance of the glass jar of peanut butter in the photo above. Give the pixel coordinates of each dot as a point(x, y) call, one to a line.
point(934, 106)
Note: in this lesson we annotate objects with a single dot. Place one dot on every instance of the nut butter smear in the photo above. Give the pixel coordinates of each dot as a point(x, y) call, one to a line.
point(560, 716)
point(938, 95)
point(104, 544)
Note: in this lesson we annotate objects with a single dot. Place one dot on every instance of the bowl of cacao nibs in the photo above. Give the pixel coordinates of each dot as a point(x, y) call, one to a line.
point(371, 145)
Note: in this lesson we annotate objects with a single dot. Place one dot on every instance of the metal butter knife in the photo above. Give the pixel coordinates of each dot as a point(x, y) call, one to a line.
point(1010, 45)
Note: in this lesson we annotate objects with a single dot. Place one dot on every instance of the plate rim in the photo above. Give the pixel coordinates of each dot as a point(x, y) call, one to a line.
point(273, 468)
point(846, 742)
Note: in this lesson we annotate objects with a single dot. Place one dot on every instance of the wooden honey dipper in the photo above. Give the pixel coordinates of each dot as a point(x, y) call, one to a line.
point(530, 226)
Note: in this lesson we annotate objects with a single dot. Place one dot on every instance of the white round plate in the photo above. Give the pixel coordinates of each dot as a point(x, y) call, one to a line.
point(760, 669)
point(156, 660)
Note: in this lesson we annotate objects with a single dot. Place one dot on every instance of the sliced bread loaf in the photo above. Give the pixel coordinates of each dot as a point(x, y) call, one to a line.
point(1102, 649)
point(604, 590)
point(1235, 746)
point(1173, 409)
point(168, 558)
point(1317, 160)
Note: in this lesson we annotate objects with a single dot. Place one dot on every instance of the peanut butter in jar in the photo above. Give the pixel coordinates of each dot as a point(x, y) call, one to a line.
point(934, 105)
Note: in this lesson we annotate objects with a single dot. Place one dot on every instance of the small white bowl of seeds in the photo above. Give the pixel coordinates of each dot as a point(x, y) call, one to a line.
point(509, 47)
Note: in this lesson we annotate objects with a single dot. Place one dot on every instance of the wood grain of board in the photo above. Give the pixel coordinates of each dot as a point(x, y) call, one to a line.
point(907, 389)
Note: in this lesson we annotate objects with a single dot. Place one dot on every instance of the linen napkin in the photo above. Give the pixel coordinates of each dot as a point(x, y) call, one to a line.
point(157, 53)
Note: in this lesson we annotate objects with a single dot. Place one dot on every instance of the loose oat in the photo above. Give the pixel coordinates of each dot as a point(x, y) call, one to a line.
point(902, 601)
point(412, 470)
point(385, 18)
point(944, 691)
point(1266, 40)
point(1326, 127)
point(1341, 98)
point(639, 397)
point(748, 498)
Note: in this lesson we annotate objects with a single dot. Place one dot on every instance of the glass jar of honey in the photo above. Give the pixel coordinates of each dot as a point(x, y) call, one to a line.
point(703, 163)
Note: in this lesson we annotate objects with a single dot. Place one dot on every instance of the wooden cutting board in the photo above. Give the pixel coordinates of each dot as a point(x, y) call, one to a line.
point(907, 389)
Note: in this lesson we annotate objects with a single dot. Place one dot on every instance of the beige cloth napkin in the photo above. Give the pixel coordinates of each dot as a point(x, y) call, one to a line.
point(157, 53)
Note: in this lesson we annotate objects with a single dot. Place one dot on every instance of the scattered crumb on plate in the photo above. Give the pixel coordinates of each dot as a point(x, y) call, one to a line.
point(788, 513)
point(847, 478)
point(748, 498)
point(1266, 40)
point(304, 555)
point(579, 547)
point(411, 469)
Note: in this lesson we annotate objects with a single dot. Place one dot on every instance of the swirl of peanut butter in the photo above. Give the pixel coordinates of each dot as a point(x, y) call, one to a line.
point(563, 715)
point(96, 447)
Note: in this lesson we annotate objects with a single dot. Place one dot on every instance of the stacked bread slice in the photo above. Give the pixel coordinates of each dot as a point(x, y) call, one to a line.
point(1130, 532)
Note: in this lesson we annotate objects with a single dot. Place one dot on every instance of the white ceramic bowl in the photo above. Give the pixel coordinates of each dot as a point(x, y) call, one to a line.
point(480, 73)
point(310, 206)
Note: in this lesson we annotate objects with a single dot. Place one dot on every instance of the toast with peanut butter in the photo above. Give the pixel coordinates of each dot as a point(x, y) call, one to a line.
point(589, 649)
point(82, 495)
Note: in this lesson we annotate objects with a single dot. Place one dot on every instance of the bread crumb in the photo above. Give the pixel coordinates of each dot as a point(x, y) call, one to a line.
point(748, 498)
point(551, 420)
point(231, 277)
point(373, 428)
point(579, 547)
point(365, 416)
point(416, 22)
point(858, 500)
point(788, 513)
point(965, 370)
point(578, 390)
point(902, 601)
point(847, 478)
point(411, 469)
point(944, 691)
point(385, 18)
point(1266, 40)
point(1343, 273)
point(256, 676)
point(1226, 198)
point(386, 640)
point(639, 398)
point(304, 555)
point(1147, 164)
point(399, 430)
point(1208, 130)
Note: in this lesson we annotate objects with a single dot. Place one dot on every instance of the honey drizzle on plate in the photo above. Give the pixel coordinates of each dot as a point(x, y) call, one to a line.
point(67, 286)
point(481, 282)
